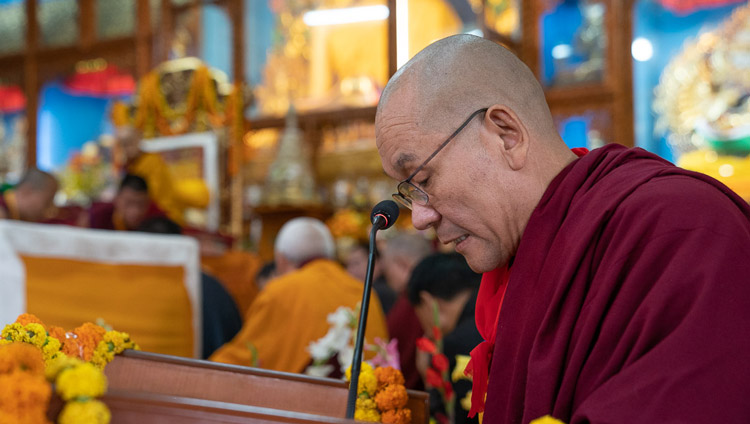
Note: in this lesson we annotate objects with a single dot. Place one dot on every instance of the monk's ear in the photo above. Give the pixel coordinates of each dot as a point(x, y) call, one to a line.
point(510, 133)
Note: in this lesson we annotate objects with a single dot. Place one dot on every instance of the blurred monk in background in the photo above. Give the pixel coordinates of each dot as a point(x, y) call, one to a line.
point(291, 311)
point(31, 199)
point(128, 210)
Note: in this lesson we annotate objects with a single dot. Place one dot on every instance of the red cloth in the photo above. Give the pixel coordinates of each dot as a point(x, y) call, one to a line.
point(684, 7)
point(489, 301)
point(404, 326)
point(628, 301)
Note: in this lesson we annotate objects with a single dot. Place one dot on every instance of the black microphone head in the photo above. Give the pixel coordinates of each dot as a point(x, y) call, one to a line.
point(387, 210)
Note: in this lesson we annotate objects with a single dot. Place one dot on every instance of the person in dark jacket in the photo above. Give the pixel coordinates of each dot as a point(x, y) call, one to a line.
point(443, 290)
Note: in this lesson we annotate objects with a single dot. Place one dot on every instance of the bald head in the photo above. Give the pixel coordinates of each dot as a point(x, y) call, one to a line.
point(301, 240)
point(413, 246)
point(35, 194)
point(401, 255)
point(36, 179)
point(462, 73)
point(478, 192)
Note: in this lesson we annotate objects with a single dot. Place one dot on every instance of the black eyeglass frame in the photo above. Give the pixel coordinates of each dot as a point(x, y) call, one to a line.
point(406, 189)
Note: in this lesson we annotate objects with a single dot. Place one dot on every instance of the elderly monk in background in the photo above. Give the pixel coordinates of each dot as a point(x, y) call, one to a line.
point(615, 285)
point(31, 199)
point(291, 310)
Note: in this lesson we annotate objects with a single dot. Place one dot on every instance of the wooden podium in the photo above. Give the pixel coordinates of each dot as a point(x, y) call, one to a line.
point(152, 388)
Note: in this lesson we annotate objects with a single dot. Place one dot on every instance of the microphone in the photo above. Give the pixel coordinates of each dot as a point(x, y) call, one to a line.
point(383, 216)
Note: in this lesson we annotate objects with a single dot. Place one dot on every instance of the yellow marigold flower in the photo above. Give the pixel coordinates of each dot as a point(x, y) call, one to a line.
point(364, 368)
point(81, 381)
point(118, 341)
point(393, 396)
point(24, 319)
point(371, 415)
point(102, 356)
point(60, 363)
point(388, 375)
point(18, 356)
point(51, 349)
point(35, 334)
point(367, 383)
point(397, 416)
point(547, 419)
point(13, 332)
point(458, 372)
point(365, 403)
point(89, 412)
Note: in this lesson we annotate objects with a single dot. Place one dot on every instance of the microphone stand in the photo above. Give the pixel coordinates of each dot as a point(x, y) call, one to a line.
point(359, 343)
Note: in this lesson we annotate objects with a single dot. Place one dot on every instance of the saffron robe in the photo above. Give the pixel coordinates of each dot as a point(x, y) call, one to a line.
point(291, 311)
point(628, 299)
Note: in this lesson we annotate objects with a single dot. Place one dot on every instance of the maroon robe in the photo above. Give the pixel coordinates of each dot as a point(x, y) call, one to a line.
point(628, 300)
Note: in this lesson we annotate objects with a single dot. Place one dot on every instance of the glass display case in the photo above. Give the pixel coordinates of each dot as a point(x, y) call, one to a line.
point(58, 22)
point(574, 43)
point(12, 26)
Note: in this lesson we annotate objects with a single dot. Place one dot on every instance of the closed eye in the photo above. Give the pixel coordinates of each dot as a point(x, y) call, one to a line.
point(423, 183)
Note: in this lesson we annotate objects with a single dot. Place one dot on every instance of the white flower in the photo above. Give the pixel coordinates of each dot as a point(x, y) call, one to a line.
point(342, 317)
point(319, 350)
point(345, 357)
point(332, 342)
point(319, 370)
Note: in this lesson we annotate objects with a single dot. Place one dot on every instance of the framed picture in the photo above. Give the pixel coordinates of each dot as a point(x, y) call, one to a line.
point(193, 156)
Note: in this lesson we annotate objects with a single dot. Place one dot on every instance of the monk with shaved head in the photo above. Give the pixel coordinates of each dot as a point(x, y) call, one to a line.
point(615, 285)
point(31, 199)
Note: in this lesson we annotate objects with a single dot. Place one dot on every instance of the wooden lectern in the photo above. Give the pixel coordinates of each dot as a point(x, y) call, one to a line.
point(152, 388)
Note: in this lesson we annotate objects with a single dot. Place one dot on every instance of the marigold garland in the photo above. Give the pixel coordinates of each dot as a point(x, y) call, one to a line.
point(90, 412)
point(29, 353)
point(24, 393)
point(88, 337)
point(386, 402)
point(81, 382)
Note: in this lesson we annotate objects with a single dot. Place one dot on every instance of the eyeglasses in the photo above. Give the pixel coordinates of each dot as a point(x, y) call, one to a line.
point(409, 193)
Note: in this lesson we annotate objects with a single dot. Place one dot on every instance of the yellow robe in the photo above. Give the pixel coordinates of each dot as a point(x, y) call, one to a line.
point(161, 187)
point(291, 311)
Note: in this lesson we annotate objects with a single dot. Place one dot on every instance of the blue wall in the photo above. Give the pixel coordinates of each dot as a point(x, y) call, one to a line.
point(216, 42)
point(66, 122)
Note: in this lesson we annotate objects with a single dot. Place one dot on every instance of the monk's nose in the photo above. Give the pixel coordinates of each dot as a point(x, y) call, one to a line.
point(424, 217)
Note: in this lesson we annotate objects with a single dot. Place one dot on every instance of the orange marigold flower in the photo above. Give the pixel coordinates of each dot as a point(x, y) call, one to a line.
point(24, 398)
point(24, 319)
point(388, 375)
point(21, 357)
point(393, 396)
point(396, 416)
point(89, 335)
point(69, 341)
